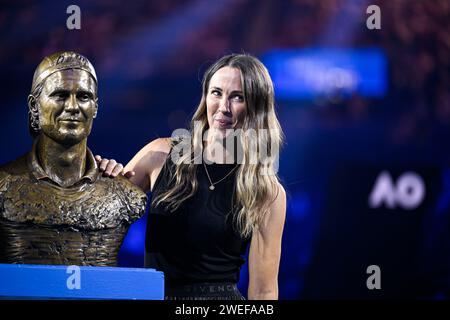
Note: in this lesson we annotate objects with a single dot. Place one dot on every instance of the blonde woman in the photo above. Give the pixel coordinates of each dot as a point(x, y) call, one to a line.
point(209, 202)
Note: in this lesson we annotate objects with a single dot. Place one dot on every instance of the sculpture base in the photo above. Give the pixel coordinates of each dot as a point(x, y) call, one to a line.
point(23, 281)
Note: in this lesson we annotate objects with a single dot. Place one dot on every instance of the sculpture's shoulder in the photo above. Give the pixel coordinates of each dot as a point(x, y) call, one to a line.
point(130, 194)
point(12, 169)
point(10, 172)
point(127, 184)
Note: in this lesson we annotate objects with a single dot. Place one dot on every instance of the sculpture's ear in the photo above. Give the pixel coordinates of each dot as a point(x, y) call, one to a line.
point(31, 101)
point(34, 125)
point(96, 108)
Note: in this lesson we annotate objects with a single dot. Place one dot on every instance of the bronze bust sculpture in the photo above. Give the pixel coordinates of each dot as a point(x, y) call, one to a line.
point(55, 207)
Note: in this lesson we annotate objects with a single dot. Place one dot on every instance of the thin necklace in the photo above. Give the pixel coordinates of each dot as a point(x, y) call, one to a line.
point(212, 184)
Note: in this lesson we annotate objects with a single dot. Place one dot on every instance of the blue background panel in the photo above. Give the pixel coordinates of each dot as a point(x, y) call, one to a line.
point(310, 72)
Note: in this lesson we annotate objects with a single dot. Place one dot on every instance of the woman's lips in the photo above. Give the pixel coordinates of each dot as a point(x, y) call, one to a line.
point(223, 123)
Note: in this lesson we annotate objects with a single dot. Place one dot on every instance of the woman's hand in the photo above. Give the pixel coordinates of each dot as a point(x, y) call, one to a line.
point(111, 168)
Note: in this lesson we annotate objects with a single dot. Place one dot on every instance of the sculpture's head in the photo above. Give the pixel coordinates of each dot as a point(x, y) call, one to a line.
point(63, 99)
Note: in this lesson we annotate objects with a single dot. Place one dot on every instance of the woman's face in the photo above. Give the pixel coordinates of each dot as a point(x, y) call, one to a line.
point(225, 103)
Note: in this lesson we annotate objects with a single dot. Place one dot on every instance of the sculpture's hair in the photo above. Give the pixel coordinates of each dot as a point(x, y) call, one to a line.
point(254, 190)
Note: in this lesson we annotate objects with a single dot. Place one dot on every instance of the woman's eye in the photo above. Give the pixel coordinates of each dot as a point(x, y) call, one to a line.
point(238, 98)
point(216, 93)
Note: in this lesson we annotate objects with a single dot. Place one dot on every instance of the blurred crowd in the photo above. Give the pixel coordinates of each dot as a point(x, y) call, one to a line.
point(416, 38)
point(414, 34)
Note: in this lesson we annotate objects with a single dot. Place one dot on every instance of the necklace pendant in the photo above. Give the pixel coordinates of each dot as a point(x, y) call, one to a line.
point(211, 187)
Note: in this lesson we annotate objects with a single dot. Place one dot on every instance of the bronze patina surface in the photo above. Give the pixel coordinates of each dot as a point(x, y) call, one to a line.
point(55, 207)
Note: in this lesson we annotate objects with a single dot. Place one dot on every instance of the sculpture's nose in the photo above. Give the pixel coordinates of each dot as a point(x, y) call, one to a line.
point(71, 104)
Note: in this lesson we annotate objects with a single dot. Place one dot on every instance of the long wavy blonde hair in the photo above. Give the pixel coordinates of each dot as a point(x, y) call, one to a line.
point(256, 184)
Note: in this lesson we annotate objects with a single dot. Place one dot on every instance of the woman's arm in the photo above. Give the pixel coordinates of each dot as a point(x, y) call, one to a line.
point(265, 252)
point(145, 166)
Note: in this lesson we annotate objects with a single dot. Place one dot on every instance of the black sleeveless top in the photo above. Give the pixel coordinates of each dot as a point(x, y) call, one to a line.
point(197, 242)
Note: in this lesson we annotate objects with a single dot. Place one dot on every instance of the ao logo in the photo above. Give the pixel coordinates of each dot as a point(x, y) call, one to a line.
point(408, 192)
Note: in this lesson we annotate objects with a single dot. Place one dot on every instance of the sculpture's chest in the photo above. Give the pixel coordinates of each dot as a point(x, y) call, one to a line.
point(91, 206)
point(26, 243)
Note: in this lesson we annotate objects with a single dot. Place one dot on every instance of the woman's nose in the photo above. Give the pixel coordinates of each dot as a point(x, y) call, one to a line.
point(224, 105)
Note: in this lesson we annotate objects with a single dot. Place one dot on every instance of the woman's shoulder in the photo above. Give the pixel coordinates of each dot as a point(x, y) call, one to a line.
point(277, 196)
point(281, 192)
point(157, 151)
point(159, 145)
point(148, 162)
point(151, 156)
